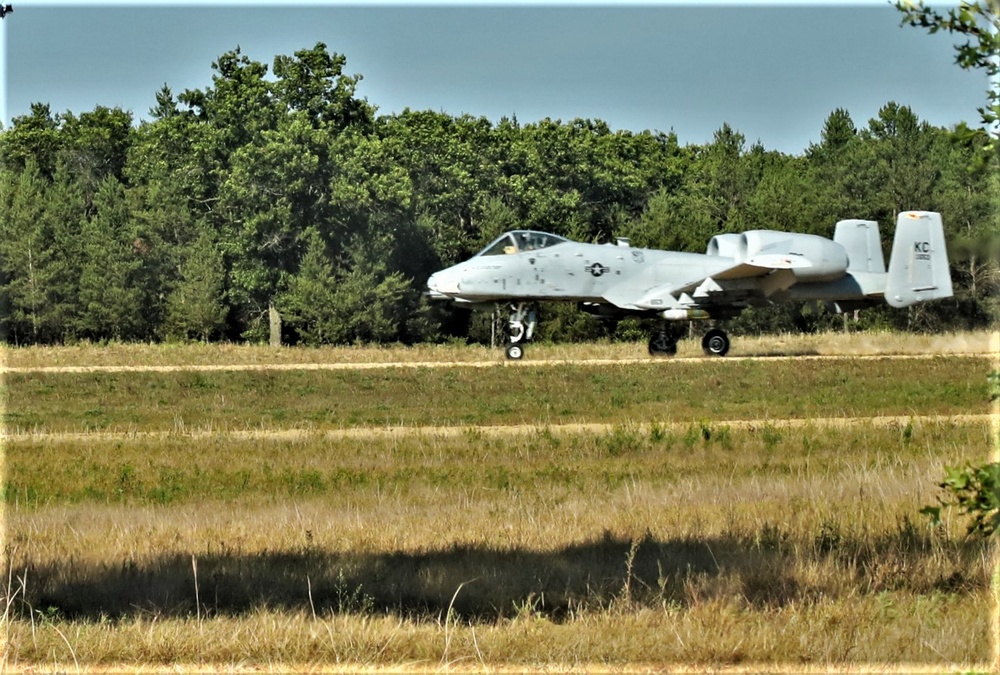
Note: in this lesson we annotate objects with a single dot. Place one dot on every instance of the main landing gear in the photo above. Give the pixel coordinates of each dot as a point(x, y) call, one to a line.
point(664, 343)
point(715, 343)
point(520, 328)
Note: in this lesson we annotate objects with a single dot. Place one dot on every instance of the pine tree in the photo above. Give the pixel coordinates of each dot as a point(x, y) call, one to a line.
point(309, 303)
point(196, 306)
point(24, 254)
point(110, 299)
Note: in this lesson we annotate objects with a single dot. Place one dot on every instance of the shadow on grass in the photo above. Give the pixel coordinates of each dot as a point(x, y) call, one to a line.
point(476, 583)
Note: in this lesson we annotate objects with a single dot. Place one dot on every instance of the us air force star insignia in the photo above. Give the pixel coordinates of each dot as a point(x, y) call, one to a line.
point(597, 269)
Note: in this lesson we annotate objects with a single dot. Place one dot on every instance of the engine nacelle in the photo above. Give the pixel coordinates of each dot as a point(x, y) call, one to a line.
point(809, 257)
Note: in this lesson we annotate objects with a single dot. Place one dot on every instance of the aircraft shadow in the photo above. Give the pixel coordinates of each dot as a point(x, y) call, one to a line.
point(474, 582)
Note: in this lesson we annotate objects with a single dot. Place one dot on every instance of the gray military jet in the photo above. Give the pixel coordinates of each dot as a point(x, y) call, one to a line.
point(523, 268)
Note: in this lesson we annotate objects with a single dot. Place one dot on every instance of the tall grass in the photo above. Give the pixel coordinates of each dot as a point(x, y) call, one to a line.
point(977, 342)
point(612, 539)
point(668, 537)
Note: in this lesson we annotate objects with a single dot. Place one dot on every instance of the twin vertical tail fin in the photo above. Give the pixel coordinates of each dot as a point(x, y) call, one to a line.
point(861, 240)
point(918, 268)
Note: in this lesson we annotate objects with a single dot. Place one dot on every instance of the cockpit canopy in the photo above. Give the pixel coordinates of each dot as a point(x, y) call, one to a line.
point(519, 241)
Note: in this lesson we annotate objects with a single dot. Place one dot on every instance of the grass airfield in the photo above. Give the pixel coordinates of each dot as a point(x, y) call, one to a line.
point(715, 519)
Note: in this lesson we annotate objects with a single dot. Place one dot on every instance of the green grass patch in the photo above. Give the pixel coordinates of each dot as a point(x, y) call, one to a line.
point(178, 469)
point(667, 391)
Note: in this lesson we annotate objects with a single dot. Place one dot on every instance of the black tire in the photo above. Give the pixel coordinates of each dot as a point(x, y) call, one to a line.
point(515, 352)
point(662, 345)
point(715, 343)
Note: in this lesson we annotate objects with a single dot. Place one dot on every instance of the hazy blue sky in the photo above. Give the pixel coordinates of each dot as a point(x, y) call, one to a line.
point(772, 71)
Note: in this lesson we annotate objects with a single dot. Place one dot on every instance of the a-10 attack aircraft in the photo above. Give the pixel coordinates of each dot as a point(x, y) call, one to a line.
point(522, 268)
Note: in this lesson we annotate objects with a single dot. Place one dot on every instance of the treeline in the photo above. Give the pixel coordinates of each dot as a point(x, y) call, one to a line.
point(285, 194)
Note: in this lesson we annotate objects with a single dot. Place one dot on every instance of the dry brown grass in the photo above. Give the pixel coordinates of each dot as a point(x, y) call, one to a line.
point(979, 342)
point(807, 552)
point(640, 546)
point(880, 632)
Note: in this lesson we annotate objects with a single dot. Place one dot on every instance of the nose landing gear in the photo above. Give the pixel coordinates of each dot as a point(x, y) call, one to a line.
point(514, 351)
point(520, 328)
point(663, 343)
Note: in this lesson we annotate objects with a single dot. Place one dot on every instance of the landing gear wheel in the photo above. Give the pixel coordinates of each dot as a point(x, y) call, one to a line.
point(715, 343)
point(514, 351)
point(662, 345)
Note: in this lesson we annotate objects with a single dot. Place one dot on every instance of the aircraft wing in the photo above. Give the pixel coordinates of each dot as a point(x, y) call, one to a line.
point(758, 277)
point(762, 265)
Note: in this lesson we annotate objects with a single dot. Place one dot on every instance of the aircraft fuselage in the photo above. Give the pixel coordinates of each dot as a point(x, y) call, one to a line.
point(569, 271)
point(759, 267)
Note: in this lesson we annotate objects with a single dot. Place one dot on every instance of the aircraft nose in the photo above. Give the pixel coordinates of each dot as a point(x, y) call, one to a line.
point(443, 283)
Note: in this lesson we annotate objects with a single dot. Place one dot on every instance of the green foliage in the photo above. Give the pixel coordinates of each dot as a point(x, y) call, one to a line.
point(311, 295)
point(279, 187)
point(110, 298)
point(563, 321)
point(901, 162)
point(979, 23)
point(32, 139)
point(95, 145)
point(359, 300)
point(41, 254)
point(975, 492)
point(196, 307)
point(24, 254)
